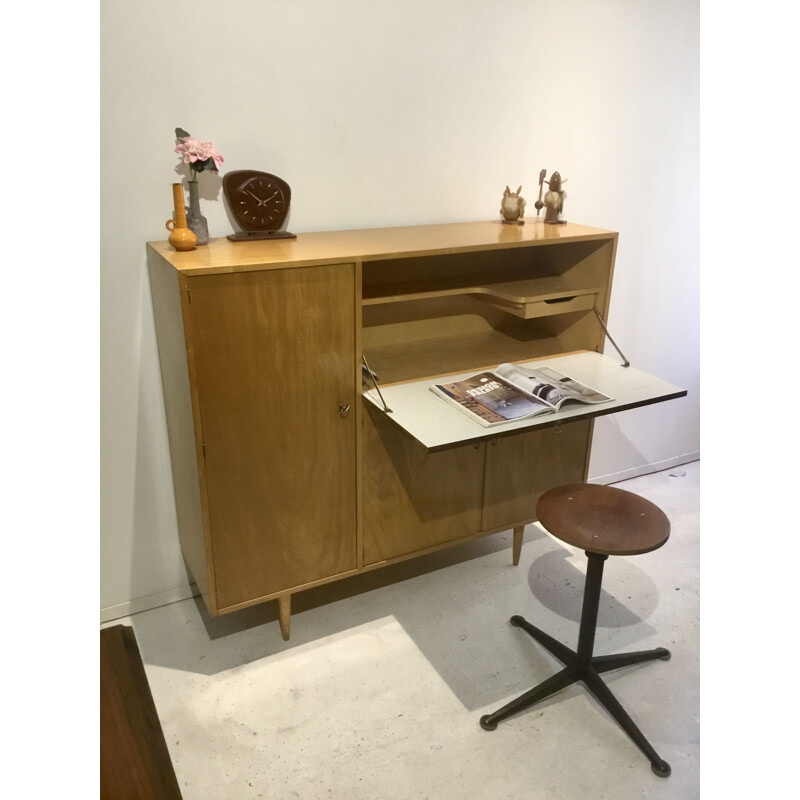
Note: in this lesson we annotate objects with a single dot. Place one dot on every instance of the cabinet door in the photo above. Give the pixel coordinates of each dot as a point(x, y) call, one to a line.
point(413, 500)
point(521, 468)
point(275, 356)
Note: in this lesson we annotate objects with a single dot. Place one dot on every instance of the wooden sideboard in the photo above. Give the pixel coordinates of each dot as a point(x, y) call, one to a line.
point(291, 470)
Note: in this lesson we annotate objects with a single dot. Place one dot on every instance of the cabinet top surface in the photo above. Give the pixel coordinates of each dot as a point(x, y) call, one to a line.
point(330, 247)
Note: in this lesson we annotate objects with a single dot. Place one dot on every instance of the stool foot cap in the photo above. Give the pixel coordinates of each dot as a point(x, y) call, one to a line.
point(516, 620)
point(665, 655)
point(661, 768)
point(487, 723)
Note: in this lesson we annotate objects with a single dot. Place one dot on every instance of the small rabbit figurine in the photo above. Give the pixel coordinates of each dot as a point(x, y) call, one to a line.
point(512, 207)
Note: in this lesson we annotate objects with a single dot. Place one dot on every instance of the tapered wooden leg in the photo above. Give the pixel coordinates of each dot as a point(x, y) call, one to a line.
point(517, 550)
point(285, 612)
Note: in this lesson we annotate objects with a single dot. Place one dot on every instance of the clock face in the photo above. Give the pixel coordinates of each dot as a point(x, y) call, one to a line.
point(258, 201)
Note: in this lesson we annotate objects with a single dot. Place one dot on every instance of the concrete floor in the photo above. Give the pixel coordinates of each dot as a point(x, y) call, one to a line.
point(379, 691)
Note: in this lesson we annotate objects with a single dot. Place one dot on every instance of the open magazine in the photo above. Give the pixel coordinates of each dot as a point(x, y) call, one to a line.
point(513, 392)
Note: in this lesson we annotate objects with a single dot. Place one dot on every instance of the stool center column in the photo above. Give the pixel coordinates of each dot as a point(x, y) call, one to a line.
point(591, 604)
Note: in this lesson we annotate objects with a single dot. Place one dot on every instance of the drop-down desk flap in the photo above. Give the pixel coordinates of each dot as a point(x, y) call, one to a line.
point(437, 425)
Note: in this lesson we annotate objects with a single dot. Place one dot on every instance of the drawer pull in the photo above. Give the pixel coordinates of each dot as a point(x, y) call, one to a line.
point(344, 410)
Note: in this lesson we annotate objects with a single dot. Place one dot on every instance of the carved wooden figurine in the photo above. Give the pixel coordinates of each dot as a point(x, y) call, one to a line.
point(512, 207)
point(554, 201)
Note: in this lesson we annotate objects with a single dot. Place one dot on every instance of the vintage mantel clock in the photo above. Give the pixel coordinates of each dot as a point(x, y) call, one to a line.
point(259, 203)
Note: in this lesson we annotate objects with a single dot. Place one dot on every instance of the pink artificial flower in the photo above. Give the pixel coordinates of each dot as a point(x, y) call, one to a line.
point(193, 150)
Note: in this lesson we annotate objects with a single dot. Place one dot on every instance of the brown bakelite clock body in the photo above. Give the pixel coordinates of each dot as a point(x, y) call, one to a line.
point(259, 203)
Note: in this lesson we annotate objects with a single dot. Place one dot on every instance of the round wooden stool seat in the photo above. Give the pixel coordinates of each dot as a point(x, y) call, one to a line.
point(603, 519)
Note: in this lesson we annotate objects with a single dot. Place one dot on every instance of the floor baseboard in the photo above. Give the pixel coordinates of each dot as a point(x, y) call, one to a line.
point(110, 613)
point(645, 469)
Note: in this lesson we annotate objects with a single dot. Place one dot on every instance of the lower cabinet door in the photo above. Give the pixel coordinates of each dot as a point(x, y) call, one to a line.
point(274, 359)
point(520, 468)
point(413, 500)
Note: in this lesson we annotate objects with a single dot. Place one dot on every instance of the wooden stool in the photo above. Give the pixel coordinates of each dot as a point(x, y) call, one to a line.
point(604, 522)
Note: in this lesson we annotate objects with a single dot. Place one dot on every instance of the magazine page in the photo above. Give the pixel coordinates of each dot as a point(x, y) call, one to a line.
point(490, 399)
point(549, 385)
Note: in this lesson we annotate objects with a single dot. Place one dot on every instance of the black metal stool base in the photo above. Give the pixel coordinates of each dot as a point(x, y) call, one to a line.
point(582, 666)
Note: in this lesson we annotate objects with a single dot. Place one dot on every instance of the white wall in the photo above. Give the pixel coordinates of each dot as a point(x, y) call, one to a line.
point(388, 113)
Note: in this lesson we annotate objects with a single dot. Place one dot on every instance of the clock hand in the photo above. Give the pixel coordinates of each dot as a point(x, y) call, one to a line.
point(260, 201)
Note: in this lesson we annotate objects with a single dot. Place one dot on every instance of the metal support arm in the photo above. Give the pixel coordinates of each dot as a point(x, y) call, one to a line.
point(626, 363)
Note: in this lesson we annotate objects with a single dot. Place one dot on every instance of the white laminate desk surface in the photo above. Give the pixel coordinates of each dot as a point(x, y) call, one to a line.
point(437, 425)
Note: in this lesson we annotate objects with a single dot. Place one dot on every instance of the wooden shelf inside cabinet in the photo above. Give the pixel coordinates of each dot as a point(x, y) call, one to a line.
point(529, 298)
point(436, 425)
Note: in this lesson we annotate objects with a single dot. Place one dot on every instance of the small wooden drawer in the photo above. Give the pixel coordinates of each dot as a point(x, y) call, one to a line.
point(547, 308)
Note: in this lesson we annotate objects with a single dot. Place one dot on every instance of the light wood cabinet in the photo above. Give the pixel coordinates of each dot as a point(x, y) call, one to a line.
point(291, 471)
point(521, 468)
point(414, 501)
point(274, 361)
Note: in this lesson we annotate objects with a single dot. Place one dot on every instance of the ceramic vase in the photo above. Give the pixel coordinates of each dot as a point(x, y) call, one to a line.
point(195, 221)
point(180, 237)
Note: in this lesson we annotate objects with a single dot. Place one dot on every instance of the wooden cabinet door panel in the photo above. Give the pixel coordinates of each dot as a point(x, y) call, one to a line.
point(274, 355)
point(413, 500)
point(520, 468)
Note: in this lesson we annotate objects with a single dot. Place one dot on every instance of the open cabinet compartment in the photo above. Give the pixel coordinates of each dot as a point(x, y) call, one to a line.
point(438, 314)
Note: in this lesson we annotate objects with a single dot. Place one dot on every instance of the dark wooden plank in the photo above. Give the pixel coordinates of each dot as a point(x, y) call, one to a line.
point(134, 759)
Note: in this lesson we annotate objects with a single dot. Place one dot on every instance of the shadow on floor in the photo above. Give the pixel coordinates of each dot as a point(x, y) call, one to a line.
point(454, 605)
